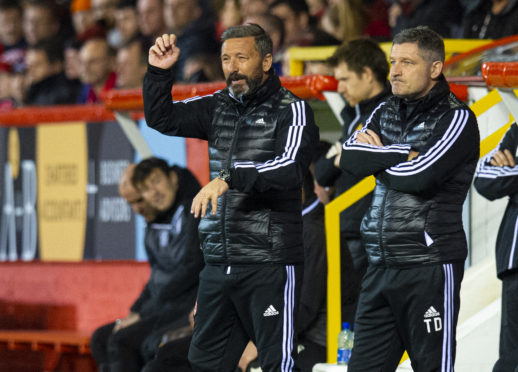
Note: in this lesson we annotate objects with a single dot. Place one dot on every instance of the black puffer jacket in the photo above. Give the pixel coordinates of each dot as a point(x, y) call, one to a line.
point(267, 140)
point(175, 257)
point(416, 213)
point(328, 175)
point(497, 182)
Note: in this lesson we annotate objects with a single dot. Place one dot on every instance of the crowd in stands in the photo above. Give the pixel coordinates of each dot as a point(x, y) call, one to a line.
point(66, 52)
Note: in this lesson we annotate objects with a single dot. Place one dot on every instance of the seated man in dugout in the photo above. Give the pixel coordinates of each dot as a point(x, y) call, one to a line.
point(163, 195)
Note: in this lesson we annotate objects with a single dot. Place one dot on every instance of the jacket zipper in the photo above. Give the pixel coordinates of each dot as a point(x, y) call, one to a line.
point(382, 214)
point(224, 203)
point(380, 227)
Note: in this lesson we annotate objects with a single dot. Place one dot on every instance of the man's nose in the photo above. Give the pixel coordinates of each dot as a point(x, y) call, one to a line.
point(341, 88)
point(395, 70)
point(233, 66)
point(148, 194)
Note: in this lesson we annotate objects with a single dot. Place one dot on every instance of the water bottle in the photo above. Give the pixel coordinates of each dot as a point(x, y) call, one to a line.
point(345, 344)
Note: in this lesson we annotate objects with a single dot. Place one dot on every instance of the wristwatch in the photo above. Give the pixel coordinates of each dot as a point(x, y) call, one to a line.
point(224, 174)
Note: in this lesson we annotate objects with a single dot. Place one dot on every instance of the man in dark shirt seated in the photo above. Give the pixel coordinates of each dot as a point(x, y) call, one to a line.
point(173, 250)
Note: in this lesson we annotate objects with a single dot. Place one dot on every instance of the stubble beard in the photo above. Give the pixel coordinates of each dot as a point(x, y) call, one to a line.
point(251, 83)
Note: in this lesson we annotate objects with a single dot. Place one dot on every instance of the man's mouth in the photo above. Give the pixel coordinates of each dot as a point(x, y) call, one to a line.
point(158, 200)
point(236, 78)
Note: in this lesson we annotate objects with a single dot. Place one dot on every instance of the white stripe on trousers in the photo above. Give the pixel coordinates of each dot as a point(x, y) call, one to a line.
point(447, 360)
point(287, 336)
point(513, 248)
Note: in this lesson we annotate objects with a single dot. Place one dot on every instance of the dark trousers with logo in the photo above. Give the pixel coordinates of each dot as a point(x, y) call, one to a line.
point(241, 303)
point(508, 352)
point(412, 309)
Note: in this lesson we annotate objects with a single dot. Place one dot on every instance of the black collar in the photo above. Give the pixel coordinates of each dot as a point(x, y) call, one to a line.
point(261, 93)
point(425, 103)
point(369, 104)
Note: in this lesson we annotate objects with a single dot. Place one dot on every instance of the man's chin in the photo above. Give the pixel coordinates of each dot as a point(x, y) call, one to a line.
point(238, 91)
point(399, 93)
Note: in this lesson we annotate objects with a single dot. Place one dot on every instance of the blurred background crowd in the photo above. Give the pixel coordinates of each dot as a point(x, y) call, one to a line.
point(65, 52)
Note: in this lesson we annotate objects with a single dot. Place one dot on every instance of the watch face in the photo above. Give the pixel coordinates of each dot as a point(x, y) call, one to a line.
point(224, 174)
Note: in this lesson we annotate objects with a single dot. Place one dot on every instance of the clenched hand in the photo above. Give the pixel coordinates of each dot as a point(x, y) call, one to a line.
point(164, 53)
point(369, 137)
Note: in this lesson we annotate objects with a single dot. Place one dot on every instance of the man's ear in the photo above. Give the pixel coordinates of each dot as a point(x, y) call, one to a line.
point(267, 62)
point(436, 69)
point(173, 176)
point(367, 72)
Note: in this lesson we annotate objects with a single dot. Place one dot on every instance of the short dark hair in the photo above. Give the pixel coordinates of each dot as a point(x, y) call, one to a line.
point(361, 53)
point(53, 49)
point(144, 169)
point(110, 51)
point(271, 24)
point(11, 4)
point(263, 42)
point(427, 40)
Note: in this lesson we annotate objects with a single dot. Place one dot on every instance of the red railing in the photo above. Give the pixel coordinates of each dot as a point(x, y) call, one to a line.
point(309, 86)
point(500, 74)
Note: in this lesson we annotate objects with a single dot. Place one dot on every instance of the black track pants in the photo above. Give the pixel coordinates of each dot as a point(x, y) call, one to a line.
point(241, 303)
point(414, 309)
